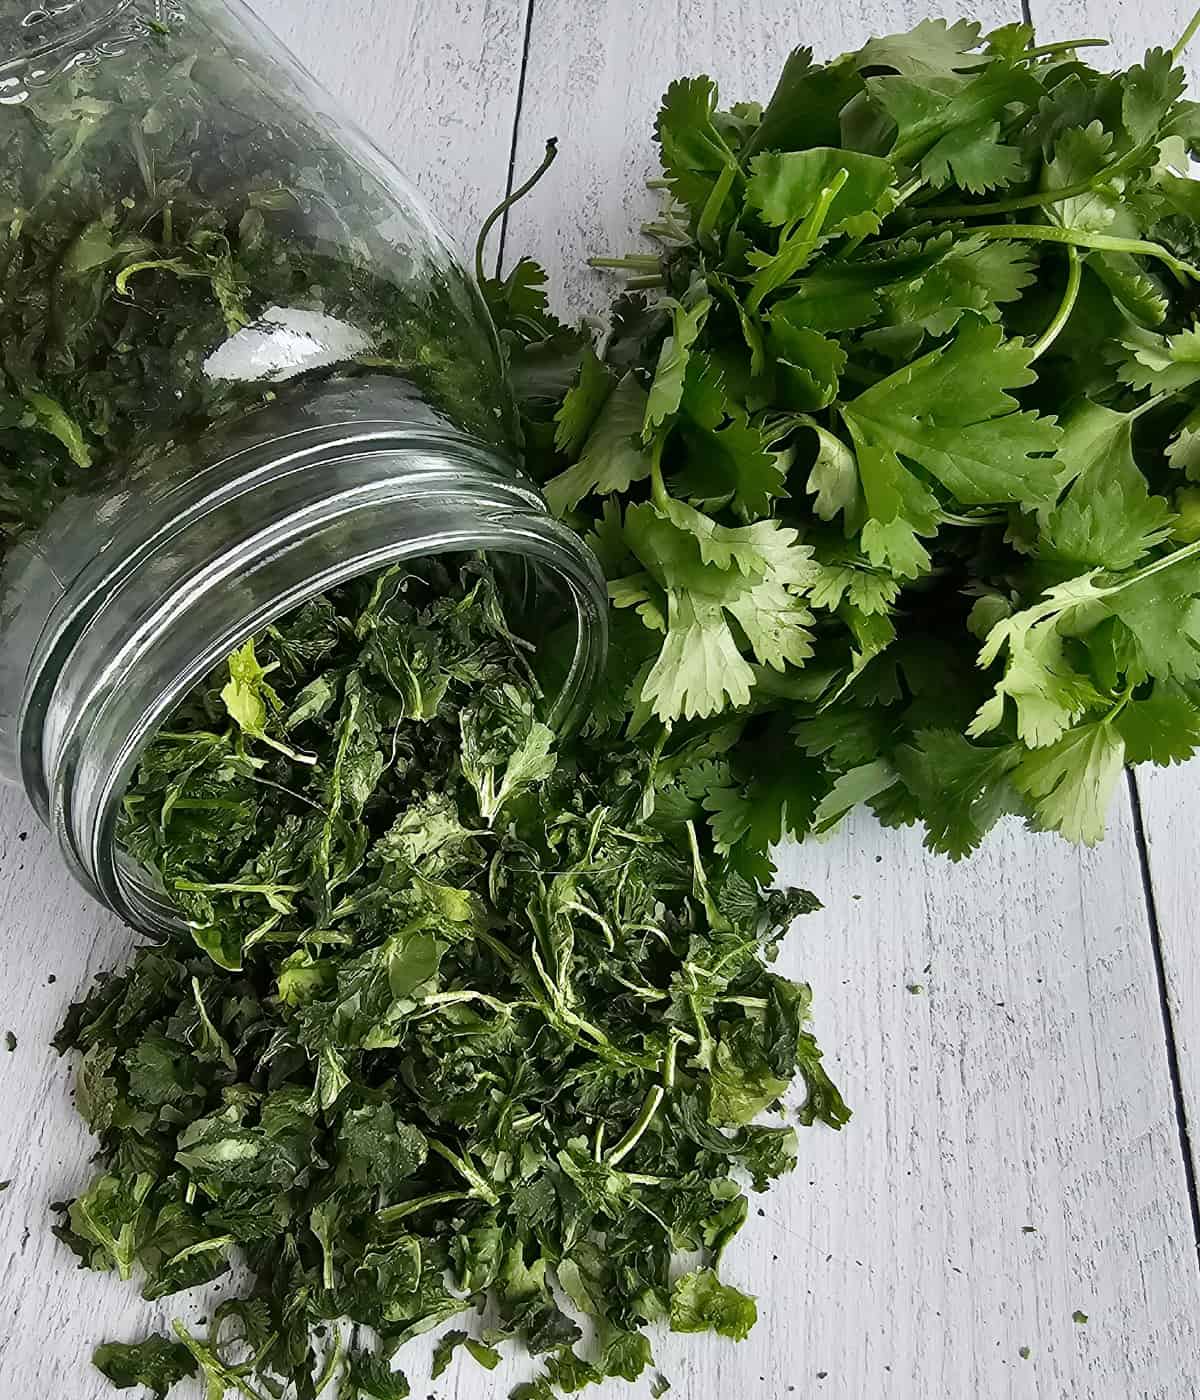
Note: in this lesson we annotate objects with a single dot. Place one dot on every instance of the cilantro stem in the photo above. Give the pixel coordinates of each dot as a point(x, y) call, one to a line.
point(658, 487)
point(668, 1074)
point(1188, 551)
point(212, 1367)
point(1153, 402)
point(506, 204)
point(1186, 37)
point(793, 256)
point(392, 1215)
point(654, 1097)
point(1066, 306)
point(204, 1247)
point(478, 1186)
point(1040, 198)
point(985, 517)
point(1062, 46)
point(1102, 242)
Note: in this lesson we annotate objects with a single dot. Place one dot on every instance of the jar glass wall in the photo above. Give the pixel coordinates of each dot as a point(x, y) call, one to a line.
point(238, 363)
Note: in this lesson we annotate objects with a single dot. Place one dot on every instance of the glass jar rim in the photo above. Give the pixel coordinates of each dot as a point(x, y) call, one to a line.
point(50, 28)
point(244, 544)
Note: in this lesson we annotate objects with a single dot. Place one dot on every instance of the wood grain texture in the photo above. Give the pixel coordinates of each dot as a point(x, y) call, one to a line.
point(433, 82)
point(1026, 1084)
point(1168, 796)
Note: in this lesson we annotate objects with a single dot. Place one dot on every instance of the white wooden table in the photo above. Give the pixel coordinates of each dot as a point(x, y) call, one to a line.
point(1049, 1074)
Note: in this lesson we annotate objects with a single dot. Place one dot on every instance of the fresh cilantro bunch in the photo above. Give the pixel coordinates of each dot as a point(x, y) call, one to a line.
point(892, 452)
point(456, 1011)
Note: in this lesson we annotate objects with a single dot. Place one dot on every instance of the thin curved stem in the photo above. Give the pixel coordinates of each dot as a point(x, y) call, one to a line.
point(506, 204)
point(1187, 36)
point(1063, 46)
point(1040, 198)
point(1078, 238)
point(1066, 306)
point(654, 1097)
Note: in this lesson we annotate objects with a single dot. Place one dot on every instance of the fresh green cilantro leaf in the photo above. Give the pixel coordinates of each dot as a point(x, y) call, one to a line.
point(951, 413)
point(925, 117)
point(733, 465)
point(1164, 365)
point(784, 186)
point(714, 575)
point(1160, 613)
point(833, 479)
point(807, 363)
point(695, 155)
point(974, 157)
point(852, 789)
point(968, 276)
point(806, 105)
point(1164, 728)
point(612, 456)
point(1070, 783)
point(1049, 694)
point(832, 297)
point(666, 391)
point(1082, 155)
point(962, 788)
point(1010, 40)
point(1149, 91)
point(1108, 517)
point(580, 408)
point(930, 49)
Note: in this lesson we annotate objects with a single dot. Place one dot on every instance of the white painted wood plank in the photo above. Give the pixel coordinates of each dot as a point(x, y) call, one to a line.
point(1028, 1084)
point(1170, 797)
point(435, 85)
point(432, 82)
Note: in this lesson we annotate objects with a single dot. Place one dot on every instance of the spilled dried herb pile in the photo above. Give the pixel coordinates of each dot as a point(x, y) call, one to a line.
point(457, 1010)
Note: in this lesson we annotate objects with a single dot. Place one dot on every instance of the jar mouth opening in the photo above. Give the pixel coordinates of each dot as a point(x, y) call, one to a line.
point(127, 886)
point(301, 497)
point(48, 29)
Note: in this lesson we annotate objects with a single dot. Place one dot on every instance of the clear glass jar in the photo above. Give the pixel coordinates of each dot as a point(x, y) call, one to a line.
point(239, 364)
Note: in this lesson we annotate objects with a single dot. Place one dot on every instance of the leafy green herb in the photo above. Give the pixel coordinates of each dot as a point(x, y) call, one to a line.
point(454, 1010)
point(908, 513)
point(155, 1363)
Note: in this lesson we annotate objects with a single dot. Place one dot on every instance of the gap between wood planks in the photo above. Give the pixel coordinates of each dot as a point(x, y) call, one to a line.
point(1183, 1126)
point(1160, 976)
point(511, 183)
